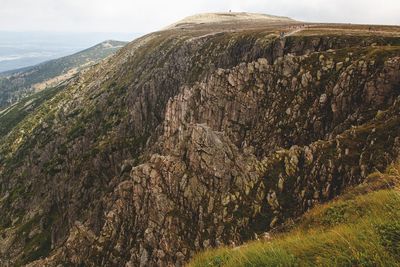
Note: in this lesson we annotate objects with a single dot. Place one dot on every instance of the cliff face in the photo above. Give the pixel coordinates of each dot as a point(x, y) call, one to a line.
point(193, 138)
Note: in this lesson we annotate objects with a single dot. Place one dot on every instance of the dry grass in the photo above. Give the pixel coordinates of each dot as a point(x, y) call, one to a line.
point(360, 228)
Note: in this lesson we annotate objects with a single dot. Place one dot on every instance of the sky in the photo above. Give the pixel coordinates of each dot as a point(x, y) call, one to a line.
point(150, 15)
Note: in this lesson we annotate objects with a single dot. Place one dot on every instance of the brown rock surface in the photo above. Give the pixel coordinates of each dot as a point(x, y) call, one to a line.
point(195, 138)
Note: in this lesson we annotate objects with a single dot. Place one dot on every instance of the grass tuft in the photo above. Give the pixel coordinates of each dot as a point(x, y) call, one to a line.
point(360, 228)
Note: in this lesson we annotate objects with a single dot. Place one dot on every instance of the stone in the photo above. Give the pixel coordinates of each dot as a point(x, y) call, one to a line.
point(144, 258)
point(214, 151)
point(339, 66)
point(274, 222)
point(319, 75)
point(281, 183)
point(266, 236)
point(323, 99)
point(231, 80)
point(263, 62)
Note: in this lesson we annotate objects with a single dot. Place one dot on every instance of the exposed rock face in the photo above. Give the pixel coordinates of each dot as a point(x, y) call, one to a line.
point(187, 140)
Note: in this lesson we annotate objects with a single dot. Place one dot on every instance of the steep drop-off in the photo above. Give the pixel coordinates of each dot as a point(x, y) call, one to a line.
point(361, 227)
point(196, 137)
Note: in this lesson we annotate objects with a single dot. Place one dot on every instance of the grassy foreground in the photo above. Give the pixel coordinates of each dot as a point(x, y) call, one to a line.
point(360, 228)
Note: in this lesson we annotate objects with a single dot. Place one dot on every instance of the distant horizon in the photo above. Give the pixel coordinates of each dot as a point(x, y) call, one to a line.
point(45, 29)
point(123, 35)
point(137, 33)
point(126, 16)
point(23, 49)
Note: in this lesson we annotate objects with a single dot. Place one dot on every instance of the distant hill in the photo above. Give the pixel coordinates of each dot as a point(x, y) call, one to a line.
point(228, 18)
point(19, 83)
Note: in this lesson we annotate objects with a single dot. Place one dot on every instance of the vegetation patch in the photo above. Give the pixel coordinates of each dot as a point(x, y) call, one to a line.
point(389, 234)
point(360, 228)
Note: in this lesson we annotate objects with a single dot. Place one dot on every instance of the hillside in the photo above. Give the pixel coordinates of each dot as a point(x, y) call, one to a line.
point(16, 84)
point(229, 18)
point(207, 136)
point(360, 228)
point(12, 115)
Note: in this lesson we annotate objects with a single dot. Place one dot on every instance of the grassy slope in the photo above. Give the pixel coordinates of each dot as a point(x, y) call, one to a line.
point(360, 228)
point(12, 115)
point(19, 82)
point(46, 110)
point(58, 66)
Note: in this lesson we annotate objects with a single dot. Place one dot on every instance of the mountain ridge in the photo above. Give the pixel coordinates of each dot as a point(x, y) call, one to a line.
point(15, 83)
point(193, 138)
point(228, 17)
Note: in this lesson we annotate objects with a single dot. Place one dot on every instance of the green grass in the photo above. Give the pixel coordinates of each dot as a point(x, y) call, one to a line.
point(360, 228)
point(18, 83)
point(10, 117)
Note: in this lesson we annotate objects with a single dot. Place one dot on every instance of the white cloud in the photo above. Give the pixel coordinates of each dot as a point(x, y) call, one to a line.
point(150, 15)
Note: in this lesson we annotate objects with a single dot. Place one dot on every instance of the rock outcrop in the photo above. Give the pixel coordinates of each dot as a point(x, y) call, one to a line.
point(192, 139)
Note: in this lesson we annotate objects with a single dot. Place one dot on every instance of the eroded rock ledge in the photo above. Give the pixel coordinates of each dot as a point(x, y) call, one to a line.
point(196, 137)
point(221, 175)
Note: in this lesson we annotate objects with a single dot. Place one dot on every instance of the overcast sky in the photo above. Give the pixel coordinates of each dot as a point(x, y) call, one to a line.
point(149, 15)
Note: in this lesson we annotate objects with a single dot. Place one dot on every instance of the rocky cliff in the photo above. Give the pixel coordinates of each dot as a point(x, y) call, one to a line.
point(195, 137)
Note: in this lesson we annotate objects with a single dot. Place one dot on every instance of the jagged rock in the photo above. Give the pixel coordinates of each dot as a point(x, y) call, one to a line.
point(339, 65)
point(322, 99)
point(193, 139)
